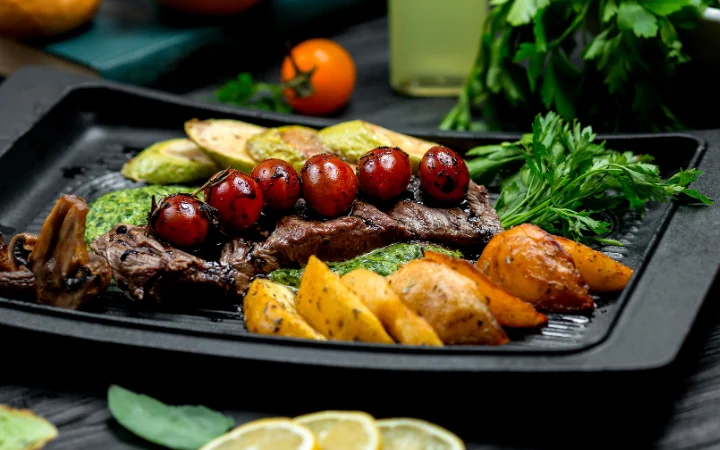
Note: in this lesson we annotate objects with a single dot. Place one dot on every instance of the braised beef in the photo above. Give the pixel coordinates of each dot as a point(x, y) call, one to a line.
point(151, 270)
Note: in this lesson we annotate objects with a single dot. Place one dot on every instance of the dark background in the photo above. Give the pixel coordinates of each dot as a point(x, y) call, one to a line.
point(677, 408)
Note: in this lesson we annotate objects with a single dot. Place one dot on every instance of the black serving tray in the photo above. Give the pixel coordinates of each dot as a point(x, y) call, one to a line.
point(61, 133)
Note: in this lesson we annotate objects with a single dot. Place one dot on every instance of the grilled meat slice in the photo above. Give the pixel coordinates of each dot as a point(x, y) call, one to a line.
point(66, 274)
point(468, 226)
point(151, 270)
point(295, 239)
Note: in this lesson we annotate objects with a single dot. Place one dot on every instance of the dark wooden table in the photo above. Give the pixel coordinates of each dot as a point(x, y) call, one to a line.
point(678, 408)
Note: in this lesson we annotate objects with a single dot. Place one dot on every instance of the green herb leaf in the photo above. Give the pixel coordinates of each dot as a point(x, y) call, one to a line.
point(523, 11)
point(244, 91)
point(175, 427)
point(664, 7)
point(21, 429)
point(568, 180)
point(632, 16)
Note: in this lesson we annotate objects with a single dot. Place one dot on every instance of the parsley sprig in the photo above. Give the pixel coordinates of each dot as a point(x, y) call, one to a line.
point(245, 91)
point(606, 62)
point(568, 179)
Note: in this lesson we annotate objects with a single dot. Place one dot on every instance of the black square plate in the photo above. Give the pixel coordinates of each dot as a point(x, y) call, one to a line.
point(65, 134)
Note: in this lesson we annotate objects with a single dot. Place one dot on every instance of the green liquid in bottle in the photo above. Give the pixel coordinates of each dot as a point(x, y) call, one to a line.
point(433, 44)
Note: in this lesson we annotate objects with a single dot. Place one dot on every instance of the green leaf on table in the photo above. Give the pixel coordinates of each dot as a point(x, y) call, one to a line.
point(21, 429)
point(523, 11)
point(186, 427)
point(632, 16)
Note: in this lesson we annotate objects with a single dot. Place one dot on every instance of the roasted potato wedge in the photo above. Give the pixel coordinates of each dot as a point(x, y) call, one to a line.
point(601, 272)
point(527, 262)
point(269, 308)
point(509, 310)
point(402, 323)
point(333, 310)
point(450, 302)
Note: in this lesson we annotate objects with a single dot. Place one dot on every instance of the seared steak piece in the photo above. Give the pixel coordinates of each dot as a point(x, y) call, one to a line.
point(467, 226)
point(66, 274)
point(295, 239)
point(151, 270)
point(54, 268)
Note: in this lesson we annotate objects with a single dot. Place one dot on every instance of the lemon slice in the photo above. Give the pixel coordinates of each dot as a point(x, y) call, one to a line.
point(414, 434)
point(266, 434)
point(343, 430)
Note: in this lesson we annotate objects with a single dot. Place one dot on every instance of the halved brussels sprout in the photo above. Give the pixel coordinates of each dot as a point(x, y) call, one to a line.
point(225, 141)
point(291, 143)
point(170, 162)
point(353, 139)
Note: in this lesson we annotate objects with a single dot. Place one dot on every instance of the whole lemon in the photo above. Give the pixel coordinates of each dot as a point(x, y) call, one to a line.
point(22, 19)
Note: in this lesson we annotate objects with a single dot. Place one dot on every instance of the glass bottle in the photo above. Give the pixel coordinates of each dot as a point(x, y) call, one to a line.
point(433, 44)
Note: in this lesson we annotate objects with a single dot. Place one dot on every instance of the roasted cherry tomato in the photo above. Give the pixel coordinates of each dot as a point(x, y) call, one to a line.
point(384, 172)
point(444, 175)
point(319, 75)
point(181, 220)
point(237, 199)
point(279, 182)
point(329, 185)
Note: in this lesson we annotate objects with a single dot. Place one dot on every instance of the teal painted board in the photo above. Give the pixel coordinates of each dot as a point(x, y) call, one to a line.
point(135, 41)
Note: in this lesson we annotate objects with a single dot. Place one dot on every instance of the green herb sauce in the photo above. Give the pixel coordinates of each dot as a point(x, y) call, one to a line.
point(128, 206)
point(383, 261)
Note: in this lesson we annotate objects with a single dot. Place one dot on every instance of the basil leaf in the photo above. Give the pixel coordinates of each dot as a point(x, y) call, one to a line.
point(21, 429)
point(176, 427)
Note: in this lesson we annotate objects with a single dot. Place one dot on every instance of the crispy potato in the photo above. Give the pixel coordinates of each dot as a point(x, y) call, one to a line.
point(451, 303)
point(403, 324)
point(333, 310)
point(269, 308)
point(527, 262)
point(601, 272)
point(509, 310)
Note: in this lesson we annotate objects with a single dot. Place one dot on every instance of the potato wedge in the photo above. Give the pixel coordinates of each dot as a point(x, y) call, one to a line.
point(333, 310)
point(527, 262)
point(269, 308)
point(450, 302)
point(402, 323)
point(509, 310)
point(601, 272)
point(224, 141)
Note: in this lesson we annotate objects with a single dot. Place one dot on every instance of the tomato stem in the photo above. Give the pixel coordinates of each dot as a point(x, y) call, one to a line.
point(300, 83)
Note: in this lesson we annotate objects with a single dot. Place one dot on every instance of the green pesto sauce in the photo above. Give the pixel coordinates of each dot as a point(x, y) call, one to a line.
point(128, 206)
point(383, 261)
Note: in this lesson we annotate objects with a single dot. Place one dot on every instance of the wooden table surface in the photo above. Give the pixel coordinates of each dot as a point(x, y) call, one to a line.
point(675, 409)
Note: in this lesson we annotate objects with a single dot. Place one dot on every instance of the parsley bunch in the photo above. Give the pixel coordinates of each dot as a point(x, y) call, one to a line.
point(568, 179)
point(606, 62)
point(245, 91)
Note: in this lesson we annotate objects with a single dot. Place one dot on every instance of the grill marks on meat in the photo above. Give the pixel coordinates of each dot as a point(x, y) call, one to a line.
point(66, 274)
point(151, 270)
point(295, 238)
point(55, 267)
point(468, 227)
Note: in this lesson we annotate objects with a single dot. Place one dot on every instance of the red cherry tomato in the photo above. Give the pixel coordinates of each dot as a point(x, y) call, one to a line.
point(329, 185)
point(444, 175)
point(237, 199)
point(181, 220)
point(384, 172)
point(279, 182)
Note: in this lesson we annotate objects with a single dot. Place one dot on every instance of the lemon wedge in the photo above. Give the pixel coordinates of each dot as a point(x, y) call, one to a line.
point(343, 430)
point(266, 434)
point(415, 434)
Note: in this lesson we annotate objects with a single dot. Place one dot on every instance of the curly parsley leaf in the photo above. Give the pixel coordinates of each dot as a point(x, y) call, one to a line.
point(568, 179)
